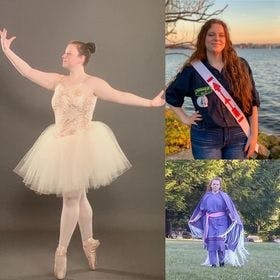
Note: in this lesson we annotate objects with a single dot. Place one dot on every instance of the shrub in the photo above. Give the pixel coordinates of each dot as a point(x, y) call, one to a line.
point(177, 134)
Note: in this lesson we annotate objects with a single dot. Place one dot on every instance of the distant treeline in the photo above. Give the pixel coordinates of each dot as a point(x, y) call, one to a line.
point(241, 45)
point(254, 186)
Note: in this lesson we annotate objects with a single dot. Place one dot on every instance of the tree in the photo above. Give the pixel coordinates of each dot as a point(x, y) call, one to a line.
point(187, 11)
point(254, 186)
point(261, 203)
point(185, 183)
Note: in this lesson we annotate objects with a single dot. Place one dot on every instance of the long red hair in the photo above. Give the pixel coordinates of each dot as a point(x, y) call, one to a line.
point(236, 71)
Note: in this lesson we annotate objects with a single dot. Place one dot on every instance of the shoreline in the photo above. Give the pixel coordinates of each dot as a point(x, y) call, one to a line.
point(185, 46)
point(178, 145)
point(271, 142)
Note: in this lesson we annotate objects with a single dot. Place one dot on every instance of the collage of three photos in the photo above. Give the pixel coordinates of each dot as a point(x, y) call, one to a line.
point(140, 140)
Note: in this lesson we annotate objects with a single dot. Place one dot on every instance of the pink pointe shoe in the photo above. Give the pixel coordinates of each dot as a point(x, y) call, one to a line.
point(60, 262)
point(90, 247)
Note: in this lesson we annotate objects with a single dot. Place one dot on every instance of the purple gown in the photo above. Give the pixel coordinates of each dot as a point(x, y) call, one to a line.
point(217, 226)
point(218, 223)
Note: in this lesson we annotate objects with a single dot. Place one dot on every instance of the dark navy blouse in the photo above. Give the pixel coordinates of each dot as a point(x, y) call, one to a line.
point(214, 113)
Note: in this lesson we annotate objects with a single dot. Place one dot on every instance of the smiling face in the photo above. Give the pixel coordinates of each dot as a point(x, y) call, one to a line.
point(215, 185)
point(71, 57)
point(215, 39)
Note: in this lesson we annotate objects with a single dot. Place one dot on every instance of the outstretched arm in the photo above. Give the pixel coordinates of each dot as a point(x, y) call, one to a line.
point(198, 216)
point(104, 91)
point(46, 80)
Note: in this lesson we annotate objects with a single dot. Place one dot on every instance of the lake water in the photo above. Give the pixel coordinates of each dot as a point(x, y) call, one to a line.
point(265, 64)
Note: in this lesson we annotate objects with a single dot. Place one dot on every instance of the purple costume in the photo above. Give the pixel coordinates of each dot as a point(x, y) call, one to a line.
point(216, 220)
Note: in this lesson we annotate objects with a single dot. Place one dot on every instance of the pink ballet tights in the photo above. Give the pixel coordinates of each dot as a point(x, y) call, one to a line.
point(76, 209)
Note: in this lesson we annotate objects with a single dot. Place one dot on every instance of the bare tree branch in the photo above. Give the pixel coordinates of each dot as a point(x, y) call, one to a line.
point(188, 11)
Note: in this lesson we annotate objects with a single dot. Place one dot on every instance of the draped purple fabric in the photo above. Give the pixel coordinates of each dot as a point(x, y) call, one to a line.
point(211, 203)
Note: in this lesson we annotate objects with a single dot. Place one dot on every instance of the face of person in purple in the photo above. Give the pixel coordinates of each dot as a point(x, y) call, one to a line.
point(215, 186)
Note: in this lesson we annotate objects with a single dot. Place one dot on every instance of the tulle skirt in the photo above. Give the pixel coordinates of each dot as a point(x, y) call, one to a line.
point(90, 158)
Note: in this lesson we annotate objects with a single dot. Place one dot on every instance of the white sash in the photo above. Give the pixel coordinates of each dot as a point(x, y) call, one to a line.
point(224, 96)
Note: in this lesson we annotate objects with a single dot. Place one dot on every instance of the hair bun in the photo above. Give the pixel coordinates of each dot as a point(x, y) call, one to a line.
point(91, 47)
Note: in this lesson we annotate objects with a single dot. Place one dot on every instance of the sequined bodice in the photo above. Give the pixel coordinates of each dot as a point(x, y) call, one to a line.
point(73, 107)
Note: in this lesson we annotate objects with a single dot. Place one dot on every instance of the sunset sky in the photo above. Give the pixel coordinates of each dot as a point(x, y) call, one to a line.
point(249, 21)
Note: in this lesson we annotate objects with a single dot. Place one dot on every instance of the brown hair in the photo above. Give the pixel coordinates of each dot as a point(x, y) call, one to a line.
point(236, 70)
point(85, 49)
point(210, 183)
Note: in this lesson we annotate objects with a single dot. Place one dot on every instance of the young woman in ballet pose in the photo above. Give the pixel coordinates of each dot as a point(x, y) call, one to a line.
point(75, 153)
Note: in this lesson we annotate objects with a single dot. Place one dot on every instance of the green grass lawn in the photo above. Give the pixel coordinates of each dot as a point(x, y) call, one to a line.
point(184, 258)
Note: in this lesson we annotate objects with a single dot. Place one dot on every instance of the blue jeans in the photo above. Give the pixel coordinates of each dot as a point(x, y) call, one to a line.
point(218, 143)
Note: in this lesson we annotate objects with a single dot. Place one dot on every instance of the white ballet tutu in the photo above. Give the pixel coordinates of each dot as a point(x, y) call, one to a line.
point(90, 158)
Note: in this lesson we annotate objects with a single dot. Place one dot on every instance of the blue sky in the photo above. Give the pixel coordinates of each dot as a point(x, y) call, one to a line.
point(250, 21)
